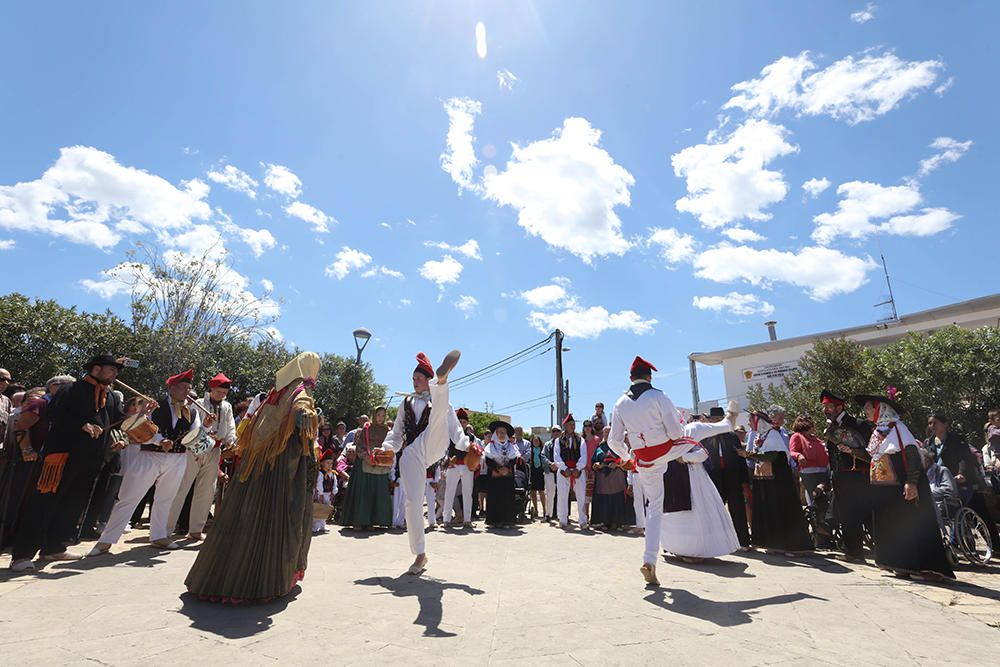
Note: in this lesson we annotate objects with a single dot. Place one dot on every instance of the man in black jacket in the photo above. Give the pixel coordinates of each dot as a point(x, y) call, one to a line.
point(953, 452)
point(81, 417)
point(730, 474)
point(846, 445)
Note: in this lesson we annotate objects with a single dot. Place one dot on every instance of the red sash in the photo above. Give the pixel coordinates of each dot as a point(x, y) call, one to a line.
point(646, 456)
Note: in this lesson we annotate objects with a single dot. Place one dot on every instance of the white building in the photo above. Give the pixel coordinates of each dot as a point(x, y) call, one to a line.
point(768, 362)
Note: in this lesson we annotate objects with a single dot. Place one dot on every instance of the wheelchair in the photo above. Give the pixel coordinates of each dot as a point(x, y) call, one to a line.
point(964, 533)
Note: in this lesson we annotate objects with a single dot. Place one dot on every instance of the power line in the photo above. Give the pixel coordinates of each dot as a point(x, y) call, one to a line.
point(502, 369)
point(531, 406)
point(503, 361)
point(530, 400)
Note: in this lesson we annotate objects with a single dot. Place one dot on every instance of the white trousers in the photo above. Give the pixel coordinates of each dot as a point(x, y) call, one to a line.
point(580, 488)
point(638, 502)
point(145, 470)
point(398, 507)
point(550, 494)
point(460, 475)
point(203, 472)
point(429, 447)
point(430, 494)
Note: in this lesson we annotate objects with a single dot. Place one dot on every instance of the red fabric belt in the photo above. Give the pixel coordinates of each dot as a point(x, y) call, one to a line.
point(644, 456)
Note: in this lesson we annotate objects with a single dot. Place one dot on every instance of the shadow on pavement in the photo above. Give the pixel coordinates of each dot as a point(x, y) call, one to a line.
point(812, 560)
point(233, 622)
point(135, 557)
point(724, 614)
point(429, 593)
point(727, 569)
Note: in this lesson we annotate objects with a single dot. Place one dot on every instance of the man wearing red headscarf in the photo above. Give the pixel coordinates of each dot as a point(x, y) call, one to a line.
point(160, 461)
point(202, 470)
point(420, 437)
point(653, 425)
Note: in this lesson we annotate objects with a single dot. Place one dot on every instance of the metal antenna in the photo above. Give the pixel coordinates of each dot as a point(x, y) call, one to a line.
point(891, 302)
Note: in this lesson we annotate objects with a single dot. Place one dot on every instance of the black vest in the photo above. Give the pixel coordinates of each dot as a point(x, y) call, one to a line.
point(162, 418)
point(411, 427)
point(456, 453)
point(570, 452)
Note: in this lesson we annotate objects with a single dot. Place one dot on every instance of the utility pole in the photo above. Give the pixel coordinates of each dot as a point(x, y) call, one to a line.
point(566, 400)
point(560, 397)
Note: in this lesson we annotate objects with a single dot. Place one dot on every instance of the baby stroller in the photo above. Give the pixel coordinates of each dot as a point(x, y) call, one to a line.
point(521, 493)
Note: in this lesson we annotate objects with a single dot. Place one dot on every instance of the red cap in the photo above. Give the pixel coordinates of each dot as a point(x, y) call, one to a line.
point(640, 364)
point(462, 413)
point(327, 454)
point(186, 376)
point(220, 380)
point(424, 365)
point(568, 418)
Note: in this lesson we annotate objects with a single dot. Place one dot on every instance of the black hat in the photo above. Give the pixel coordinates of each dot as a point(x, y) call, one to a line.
point(104, 360)
point(498, 423)
point(717, 411)
point(861, 399)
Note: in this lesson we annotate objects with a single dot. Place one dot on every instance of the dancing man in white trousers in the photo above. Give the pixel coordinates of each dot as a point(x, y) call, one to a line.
point(651, 421)
point(420, 435)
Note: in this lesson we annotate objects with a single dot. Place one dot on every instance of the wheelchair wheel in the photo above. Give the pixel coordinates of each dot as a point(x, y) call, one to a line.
point(974, 537)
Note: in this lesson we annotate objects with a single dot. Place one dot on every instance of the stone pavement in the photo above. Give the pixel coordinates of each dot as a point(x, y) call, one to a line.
point(537, 594)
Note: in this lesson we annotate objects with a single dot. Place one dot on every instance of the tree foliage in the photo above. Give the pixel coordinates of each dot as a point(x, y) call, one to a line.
point(952, 371)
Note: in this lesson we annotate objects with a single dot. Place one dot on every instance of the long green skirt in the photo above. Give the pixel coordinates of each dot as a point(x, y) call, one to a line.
point(258, 547)
point(368, 502)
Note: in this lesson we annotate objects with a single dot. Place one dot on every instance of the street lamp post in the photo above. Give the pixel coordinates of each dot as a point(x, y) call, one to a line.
point(361, 338)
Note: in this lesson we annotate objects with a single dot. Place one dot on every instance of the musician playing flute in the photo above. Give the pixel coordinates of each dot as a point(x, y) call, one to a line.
point(420, 437)
point(161, 460)
point(202, 470)
point(72, 460)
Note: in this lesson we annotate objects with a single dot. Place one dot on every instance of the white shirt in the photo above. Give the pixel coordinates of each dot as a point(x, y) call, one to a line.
point(394, 441)
point(195, 422)
point(649, 420)
point(224, 428)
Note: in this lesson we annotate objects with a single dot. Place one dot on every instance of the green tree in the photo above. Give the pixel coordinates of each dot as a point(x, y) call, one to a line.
point(40, 339)
point(952, 371)
point(346, 390)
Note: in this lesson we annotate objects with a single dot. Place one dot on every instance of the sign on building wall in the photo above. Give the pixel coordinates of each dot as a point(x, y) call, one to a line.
point(769, 373)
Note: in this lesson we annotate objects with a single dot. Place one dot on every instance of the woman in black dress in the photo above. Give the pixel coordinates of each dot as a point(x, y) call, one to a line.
point(778, 521)
point(501, 456)
point(904, 526)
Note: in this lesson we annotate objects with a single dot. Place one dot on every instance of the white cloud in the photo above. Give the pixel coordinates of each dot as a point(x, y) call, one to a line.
point(735, 303)
point(267, 285)
point(467, 304)
point(86, 192)
point(262, 213)
point(481, 40)
point(470, 248)
point(275, 334)
point(565, 189)
point(944, 87)
point(928, 222)
point(815, 186)
point(310, 214)
point(259, 240)
point(506, 78)
point(347, 260)
point(235, 179)
point(545, 296)
point(591, 322)
point(742, 235)
point(853, 90)
point(459, 159)
point(675, 247)
point(7, 244)
point(949, 150)
point(727, 180)
point(864, 15)
point(382, 271)
point(405, 302)
point(282, 180)
point(863, 205)
point(821, 272)
point(198, 241)
point(187, 150)
point(385, 225)
point(444, 271)
point(410, 222)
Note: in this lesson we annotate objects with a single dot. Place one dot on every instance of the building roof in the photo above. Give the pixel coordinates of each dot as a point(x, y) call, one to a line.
point(982, 305)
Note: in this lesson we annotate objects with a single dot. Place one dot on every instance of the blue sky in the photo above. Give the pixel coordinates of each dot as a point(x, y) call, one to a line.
point(630, 172)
